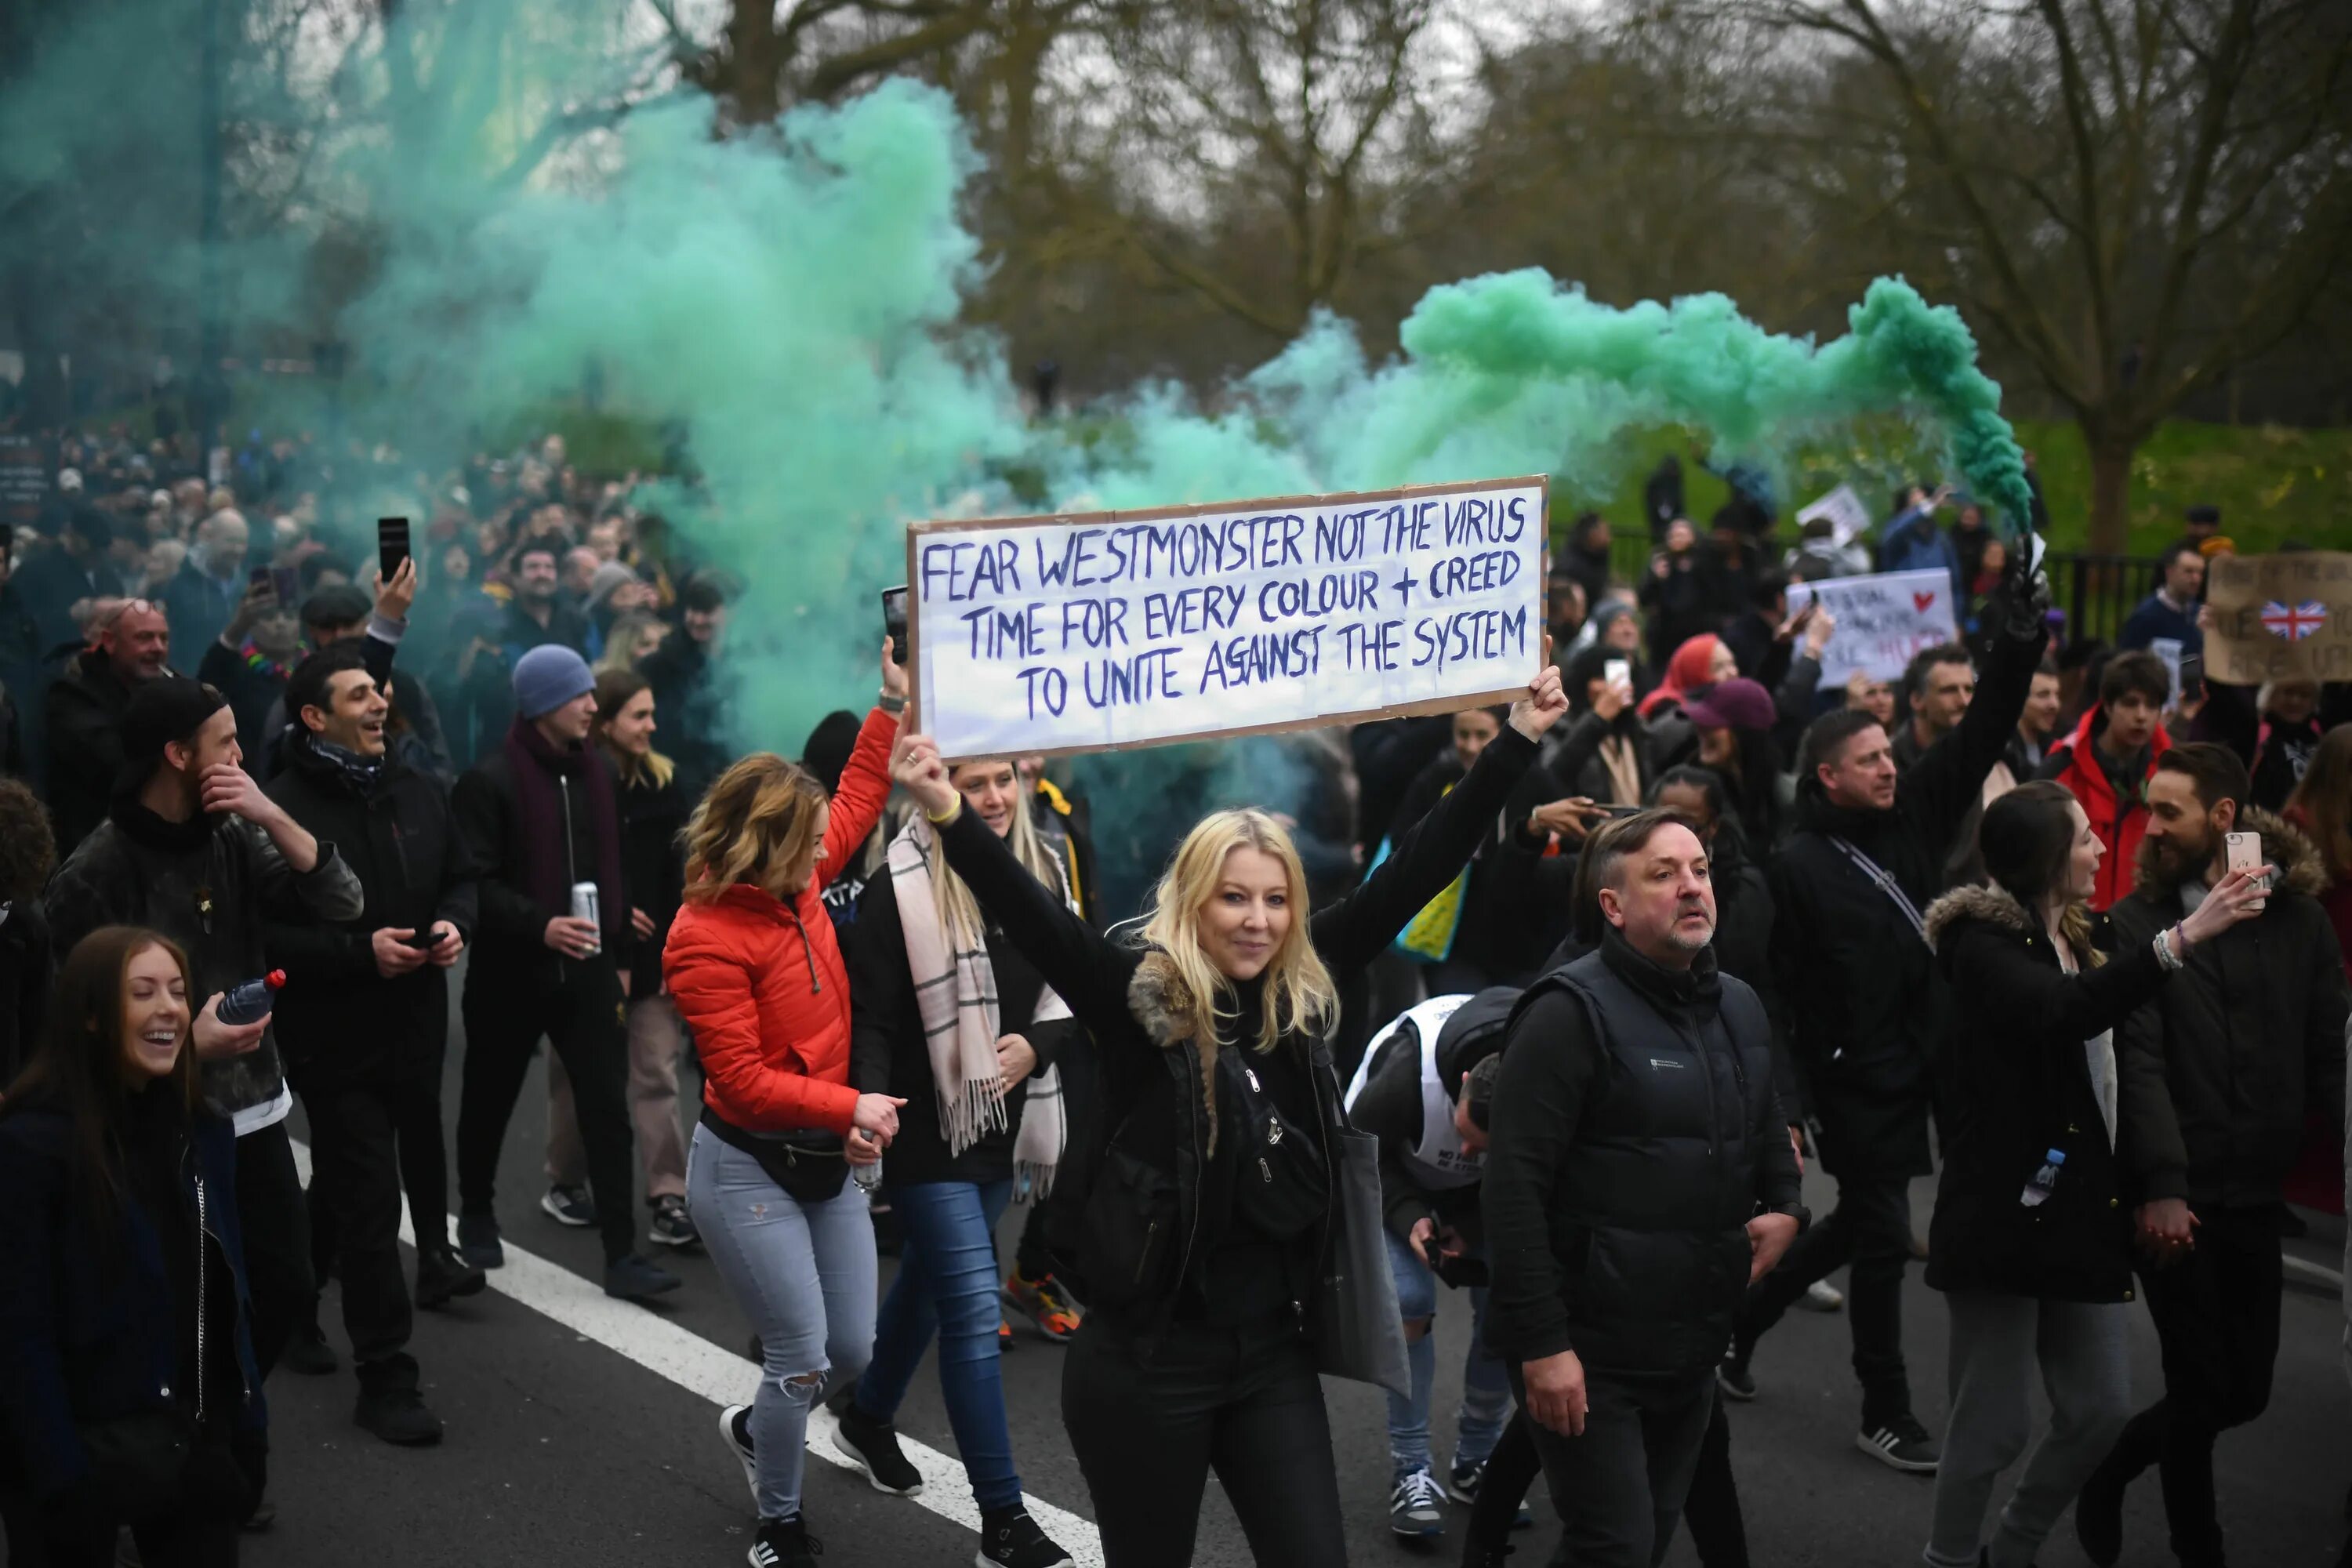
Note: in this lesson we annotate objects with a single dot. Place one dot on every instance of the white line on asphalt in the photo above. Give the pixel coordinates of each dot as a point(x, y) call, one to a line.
point(723, 1377)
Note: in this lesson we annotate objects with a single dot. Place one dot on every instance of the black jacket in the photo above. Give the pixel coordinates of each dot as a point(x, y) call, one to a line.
point(1161, 1236)
point(510, 942)
point(687, 701)
point(653, 863)
point(210, 885)
point(2020, 1086)
point(85, 744)
point(1515, 905)
point(2219, 1071)
point(26, 967)
point(50, 581)
point(1576, 761)
point(888, 1054)
point(339, 1017)
point(1390, 754)
point(1866, 1007)
point(1635, 1134)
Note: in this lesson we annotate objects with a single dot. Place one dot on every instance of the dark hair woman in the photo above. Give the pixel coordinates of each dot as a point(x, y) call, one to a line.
point(128, 1385)
point(2029, 1243)
point(1208, 1227)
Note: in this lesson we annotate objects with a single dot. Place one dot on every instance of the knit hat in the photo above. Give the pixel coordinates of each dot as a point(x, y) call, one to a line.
point(167, 708)
point(1734, 704)
point(547, 678)
point(607, 577)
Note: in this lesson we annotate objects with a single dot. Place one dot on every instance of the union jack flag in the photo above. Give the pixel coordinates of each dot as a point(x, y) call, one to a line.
point(2293, 623)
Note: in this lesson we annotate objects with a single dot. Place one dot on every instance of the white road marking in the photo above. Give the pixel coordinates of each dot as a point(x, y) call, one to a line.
point(723, 1377)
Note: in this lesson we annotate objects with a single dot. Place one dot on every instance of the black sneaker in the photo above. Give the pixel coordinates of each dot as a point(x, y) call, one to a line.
point(569, 1206)
point(735, 1426)
point(784, 1543)
point(633, 1278)
point(441, 1274)
point(1732, 1376)
point(1461, 1484)
point(398, 1416)
point(875, 1445)
point(1900, 1444)
point(1012, 1540)
point(672, 1226)
point(2099, 1516)
point(477, 1241)
point(308, 1353)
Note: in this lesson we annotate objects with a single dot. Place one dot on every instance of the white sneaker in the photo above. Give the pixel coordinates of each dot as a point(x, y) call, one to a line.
point(1823, 1297)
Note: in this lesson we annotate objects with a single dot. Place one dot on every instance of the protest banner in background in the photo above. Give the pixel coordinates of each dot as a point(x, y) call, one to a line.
point(1061, 634)
point(24, 480)
point(1845, 511)
point(1882, 621)
point(2279, 618)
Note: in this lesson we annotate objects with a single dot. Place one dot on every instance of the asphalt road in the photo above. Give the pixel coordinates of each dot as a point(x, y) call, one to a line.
point(561, 1448)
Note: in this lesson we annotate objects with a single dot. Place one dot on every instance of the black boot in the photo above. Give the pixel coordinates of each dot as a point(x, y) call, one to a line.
point(390, 1405)
point(307, 1352)
point(441, 1274)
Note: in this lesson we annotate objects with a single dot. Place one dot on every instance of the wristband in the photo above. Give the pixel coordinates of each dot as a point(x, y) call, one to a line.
point(953, 812)
point(2171, 962)
point(889, 704)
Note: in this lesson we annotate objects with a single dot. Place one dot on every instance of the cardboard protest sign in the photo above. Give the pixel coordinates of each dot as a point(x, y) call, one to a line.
point(1061, 634)
point(1882, 621)
point(1845, 511)
point(24, 480)
point(2279, 618)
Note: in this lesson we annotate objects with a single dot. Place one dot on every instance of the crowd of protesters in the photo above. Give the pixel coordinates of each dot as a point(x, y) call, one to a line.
point(1586, 979)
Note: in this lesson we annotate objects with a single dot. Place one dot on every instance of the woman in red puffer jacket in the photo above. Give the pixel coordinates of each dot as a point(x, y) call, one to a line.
point(757, 977)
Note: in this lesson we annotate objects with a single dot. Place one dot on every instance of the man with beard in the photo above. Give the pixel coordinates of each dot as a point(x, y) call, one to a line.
point(1638, 1175)
point(2215, 1079)
point(1866, 1015)
point(683, 674)
point(364, 1019)
point(131, 644)
point(191, 847)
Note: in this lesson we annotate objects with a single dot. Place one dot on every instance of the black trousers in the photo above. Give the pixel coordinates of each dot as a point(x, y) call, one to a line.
point(1148, 1421)
point(201, 1533)
point(1619, 1486)
point(1710, 1508)
point(1870, 1229)
point(275, 1220)
point(581, 1017)
point(2217, 1314)
point(369, 1138)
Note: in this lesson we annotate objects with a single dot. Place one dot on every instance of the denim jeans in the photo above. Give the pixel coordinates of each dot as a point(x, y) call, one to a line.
point(946, 1286)
point(1485, 1386)
point(803, 1275)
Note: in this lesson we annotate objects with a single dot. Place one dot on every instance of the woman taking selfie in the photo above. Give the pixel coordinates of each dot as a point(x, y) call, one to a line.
point(950, 1017)
point(127, 1376)
point(1207, 1221)
point(2030, 1244)
point(759, 978)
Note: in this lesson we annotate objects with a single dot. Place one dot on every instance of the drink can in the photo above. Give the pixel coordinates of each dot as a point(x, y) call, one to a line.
point(585, 907)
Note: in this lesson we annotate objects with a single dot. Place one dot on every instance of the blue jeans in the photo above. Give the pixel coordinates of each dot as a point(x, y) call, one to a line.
point(803, 1275)
point(1485, 1386)
point(946, 1286)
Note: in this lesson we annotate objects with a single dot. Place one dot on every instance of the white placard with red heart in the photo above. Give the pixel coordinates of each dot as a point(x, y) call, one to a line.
point(1882, 621)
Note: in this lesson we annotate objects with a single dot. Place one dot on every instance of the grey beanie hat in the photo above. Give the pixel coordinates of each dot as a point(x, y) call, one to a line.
point(547, 678)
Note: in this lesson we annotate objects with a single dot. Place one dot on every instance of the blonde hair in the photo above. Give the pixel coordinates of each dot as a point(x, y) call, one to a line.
point(958, 911)
point(757, 824)
point(1299, 989)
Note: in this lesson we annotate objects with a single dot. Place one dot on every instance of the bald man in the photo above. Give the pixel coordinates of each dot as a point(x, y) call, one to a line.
point(130, 643)
point(210, 586)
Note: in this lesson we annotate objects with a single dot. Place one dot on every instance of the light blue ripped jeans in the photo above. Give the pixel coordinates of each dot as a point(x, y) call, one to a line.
point(803, 1274)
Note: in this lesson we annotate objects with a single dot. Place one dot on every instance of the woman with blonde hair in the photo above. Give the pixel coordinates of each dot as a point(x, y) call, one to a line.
point(635, 634)
point(759, 978)
point(1210, 1217)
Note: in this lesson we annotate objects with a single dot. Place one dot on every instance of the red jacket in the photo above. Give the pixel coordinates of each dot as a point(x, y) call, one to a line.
point(761, 981)
point(2119, 824)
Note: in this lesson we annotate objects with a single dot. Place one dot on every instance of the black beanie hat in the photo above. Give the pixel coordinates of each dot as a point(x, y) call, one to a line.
point(167, 708)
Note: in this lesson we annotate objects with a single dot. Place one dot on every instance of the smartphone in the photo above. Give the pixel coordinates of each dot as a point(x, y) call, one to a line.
point(2192, 677)
point(2245, 854)
point(1617, 672)
point(894, 620)
point(391, 545)
point(259, 577)
point(426, 938)
point(286, 582)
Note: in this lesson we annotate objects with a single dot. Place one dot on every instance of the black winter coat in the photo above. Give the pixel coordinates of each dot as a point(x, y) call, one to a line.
point(2218, 1072)
point(85, 711)
point(339, 1019)
point(26, 967)
point(1161, 1236)
point(511, 922)
point(1515, 906)
point(653, 863)
point(2020, 1086)
point(1867, 1010)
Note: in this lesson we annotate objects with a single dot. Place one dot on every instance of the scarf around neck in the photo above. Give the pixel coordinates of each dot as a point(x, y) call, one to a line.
point(547, 865)
point(955, 995)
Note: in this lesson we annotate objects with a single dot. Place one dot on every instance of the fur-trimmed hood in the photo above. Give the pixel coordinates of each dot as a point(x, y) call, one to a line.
point(2301, 869)
point(1984, 903)
point(1156, 995)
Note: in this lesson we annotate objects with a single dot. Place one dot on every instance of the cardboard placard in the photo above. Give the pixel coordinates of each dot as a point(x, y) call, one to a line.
point(1882, 620)
point(1847, 515)
point(2279, 618)
point(1048, 635)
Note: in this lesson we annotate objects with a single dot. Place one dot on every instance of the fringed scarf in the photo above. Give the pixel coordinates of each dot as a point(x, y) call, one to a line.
point(955, 993)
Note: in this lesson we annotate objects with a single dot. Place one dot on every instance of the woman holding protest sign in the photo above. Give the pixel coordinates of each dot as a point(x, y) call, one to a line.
point(1213, 1202)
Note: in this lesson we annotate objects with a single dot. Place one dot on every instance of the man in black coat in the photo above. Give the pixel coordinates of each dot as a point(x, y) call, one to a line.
point(2216, 1078)
point(1639, 1177)
point(72, 569)
point(1866, 1016)
point(128, 648)
point(683, 674)
point(364, 1019)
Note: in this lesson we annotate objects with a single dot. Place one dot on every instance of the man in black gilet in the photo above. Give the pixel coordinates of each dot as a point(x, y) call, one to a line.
point(1638, 1176)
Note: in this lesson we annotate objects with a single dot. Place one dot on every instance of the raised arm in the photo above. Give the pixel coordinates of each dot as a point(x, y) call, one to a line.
point(1945, 785)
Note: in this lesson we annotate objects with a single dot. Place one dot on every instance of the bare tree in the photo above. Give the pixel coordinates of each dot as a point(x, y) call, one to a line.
point(2136, 196)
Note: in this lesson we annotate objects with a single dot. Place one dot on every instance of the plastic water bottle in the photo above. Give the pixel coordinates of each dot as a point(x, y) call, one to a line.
point(868, 1177)
point(2037, 1192)
point(252, 1001)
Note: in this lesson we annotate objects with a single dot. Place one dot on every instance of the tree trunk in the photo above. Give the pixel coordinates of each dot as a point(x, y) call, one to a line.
point(2111, 456)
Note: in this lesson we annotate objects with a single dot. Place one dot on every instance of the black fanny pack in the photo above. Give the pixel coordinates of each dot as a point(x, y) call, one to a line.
point(1282, 1189)
point(809, 1167)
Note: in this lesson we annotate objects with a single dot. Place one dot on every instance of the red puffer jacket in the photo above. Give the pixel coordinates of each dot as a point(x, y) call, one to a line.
point(2119, 822)
point(761, 981)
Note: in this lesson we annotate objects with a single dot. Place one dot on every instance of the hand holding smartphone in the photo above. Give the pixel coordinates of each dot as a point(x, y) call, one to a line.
point(2244, 852)
point(391, 544)
point(894, 620)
